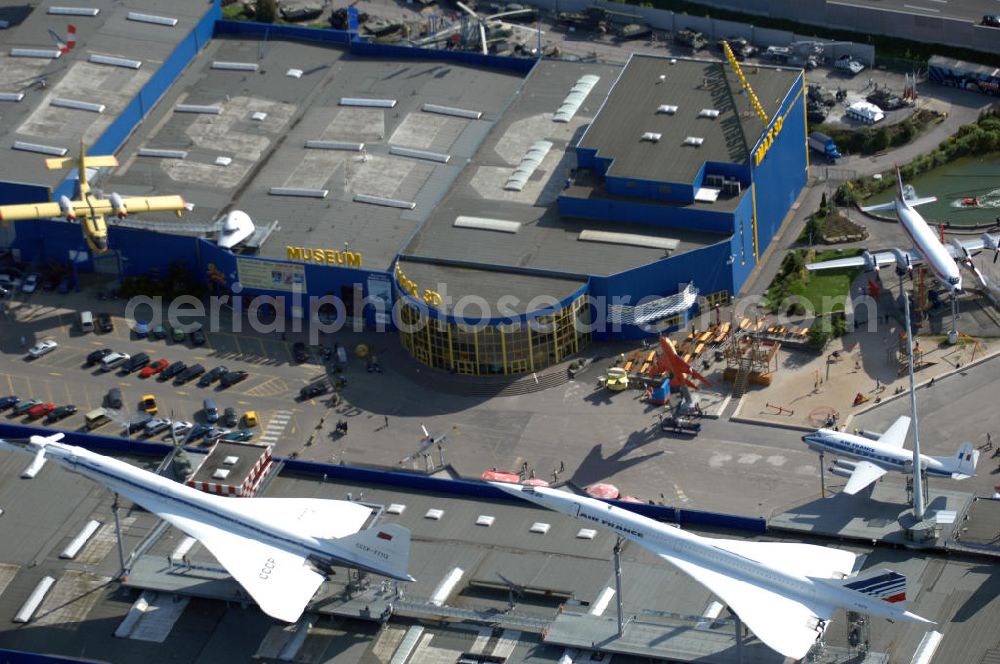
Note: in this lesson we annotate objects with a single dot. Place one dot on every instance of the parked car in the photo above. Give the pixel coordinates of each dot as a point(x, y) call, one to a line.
point(4, 292)
point(8, 402)
point(199, 431)
point(299, 352)
point(137, 423)
point(149, 404)
point(189, 374)
point(60, 413)
point(229, 417)
point(156, 425)
point(215, 434)
point(113, 399)
point(24, 406)
point(141, 328)
point(198, 336)
point(250, 419)
point(180, 428)
point(112, 360)
point(177, 334)
point(314, 390)
point(41, 348)
point(238, 436)
point(154, 368)
point(211, 410)
point(136, 362)
point(991, 20)
point(30, 284)
point(172, 370)
point(233, 377)
point(41, 410)
point(159, 332)
point(96, 356)
point(104, 323)
point(212, 376)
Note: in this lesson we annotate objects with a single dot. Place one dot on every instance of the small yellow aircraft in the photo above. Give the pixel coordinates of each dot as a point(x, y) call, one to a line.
point(88, 208)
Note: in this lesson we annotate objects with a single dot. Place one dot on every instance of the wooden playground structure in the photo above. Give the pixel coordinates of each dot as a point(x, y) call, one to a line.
point(751, 353)
point(748, 347)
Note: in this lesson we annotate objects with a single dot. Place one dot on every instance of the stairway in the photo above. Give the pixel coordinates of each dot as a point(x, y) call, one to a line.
point(742, 378)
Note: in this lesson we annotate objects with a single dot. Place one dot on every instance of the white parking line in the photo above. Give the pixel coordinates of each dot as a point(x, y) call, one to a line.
point(923, 9)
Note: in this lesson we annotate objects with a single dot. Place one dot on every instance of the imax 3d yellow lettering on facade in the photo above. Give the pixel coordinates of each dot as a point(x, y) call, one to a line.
point(407, 285)
point(768, 141)
point(324, 256)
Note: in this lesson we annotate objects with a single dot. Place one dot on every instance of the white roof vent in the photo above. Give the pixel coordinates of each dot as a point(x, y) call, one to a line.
point(231, 460)
point(651, 136)
point(396, 508)
point(708, 113)
point(666, 108)
point(586, 533)
point(694, 140)
point(434, 514)
point(540, 528)
point(662, 78)
point(485, 520)
point(220, 474)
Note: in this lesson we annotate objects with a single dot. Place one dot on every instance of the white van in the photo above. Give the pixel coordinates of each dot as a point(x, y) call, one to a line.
point(113, 360)
point(86, 321)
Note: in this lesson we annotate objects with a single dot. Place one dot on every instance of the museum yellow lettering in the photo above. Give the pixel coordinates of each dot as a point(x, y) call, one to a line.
point(324, 256)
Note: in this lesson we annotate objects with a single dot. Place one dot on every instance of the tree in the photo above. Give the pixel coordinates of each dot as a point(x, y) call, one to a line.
point(265, 11)
point(820, 333)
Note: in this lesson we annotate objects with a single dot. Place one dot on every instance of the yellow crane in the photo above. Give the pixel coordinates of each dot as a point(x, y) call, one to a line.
point(88, 208)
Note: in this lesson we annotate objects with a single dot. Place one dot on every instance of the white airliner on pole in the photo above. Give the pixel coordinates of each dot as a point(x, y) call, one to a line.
point(927, 248)
point(876, 457)
point(785, 593)
point(266, 544)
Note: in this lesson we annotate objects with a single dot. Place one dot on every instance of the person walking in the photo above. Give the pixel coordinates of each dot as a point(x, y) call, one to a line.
point(386, 421)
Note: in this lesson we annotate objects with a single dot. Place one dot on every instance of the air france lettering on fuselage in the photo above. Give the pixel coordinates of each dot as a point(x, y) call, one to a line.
point(613, 525)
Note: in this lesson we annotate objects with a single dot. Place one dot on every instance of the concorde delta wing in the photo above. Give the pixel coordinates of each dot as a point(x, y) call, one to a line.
point(864, 473)
point(805, 559)
point(784, 624)
point(280, 582)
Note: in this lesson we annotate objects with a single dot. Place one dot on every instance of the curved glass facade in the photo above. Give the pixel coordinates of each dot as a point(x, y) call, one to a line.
point(483, 350)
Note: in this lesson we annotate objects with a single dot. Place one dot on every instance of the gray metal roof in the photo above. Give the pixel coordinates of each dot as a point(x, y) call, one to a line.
point(647, 82)
point(271, 152)
point(72, 76)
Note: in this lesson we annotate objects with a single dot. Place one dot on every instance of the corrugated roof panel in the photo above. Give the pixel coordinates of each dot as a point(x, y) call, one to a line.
point(529, 162)
point(577, 94)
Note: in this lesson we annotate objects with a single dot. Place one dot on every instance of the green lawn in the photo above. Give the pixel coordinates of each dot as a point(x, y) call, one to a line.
point(824, 291)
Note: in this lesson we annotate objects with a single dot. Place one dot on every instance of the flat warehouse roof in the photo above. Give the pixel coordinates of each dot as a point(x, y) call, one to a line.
point(710, 106)
point(74, 77)
point(534, 237)
point(266, 118)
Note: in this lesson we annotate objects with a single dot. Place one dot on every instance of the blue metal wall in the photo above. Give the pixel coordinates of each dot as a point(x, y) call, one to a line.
point(707, 267)
point(651, 214)
point(253, 30)
point(781, 175)
point(408, 481)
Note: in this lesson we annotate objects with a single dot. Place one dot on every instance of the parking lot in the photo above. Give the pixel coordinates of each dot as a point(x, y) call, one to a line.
point(61, 377)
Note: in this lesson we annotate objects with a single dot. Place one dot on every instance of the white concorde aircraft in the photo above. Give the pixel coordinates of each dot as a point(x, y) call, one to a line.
point(784, 592)
point(927, 248)
point(877, 457)
point(267, 544)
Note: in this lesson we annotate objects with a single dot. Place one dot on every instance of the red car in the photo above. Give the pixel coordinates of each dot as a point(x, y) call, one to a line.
point(153, 368)
point(41, 410)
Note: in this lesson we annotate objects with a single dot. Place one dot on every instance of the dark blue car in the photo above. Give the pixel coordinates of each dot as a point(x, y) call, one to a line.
point(8, 402)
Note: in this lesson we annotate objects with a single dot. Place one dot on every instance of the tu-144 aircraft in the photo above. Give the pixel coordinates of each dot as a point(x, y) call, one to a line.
point(272, 547)
point(786, 593)
point(876, 457)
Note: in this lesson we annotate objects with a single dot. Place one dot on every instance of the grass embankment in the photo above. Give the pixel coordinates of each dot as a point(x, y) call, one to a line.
point(797, 291)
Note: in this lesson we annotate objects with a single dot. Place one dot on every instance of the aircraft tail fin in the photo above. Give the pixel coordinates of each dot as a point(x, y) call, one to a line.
point(963, 463)
point(382, 549)
point(883, 584)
